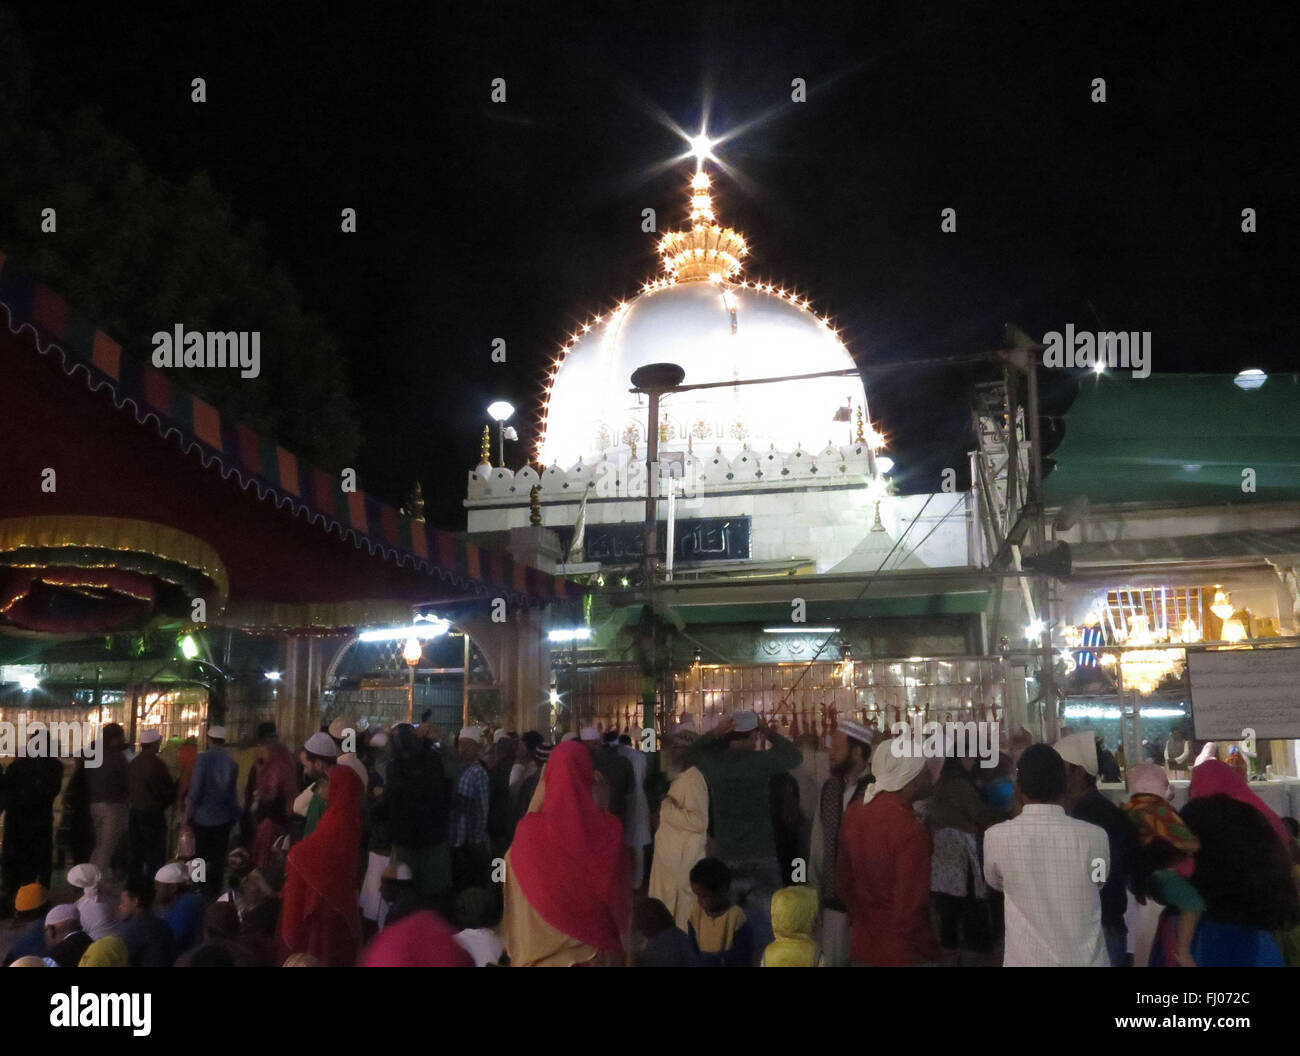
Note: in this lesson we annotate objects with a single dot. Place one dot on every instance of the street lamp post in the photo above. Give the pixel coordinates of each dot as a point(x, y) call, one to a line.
point(411, 653)
point(654, 379)
point(501, 412)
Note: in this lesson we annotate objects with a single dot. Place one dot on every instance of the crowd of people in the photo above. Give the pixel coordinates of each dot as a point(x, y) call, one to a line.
point(732, 848)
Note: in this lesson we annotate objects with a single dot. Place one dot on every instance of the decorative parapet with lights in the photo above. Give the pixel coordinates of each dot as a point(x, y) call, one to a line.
point(611, 476)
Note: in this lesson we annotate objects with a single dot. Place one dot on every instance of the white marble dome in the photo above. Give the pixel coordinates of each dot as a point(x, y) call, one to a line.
point(716, 331)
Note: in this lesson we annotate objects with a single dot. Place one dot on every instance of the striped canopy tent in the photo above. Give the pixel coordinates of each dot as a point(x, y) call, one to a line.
point(127, 498)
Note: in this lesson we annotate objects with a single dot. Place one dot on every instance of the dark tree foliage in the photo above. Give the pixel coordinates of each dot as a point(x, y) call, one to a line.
point(135, 254)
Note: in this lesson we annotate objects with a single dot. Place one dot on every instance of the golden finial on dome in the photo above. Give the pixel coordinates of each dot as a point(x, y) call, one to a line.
point(707, 251)
point(860, 438)
point(485, 448)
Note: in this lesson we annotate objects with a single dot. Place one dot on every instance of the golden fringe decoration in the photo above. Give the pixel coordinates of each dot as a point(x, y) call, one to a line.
point(120, 534)
point(315, 616)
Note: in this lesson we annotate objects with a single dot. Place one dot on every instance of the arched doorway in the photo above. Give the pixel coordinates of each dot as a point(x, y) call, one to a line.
point(370, 681)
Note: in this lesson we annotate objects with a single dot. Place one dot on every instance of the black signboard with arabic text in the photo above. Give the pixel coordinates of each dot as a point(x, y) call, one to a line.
point(695, 539)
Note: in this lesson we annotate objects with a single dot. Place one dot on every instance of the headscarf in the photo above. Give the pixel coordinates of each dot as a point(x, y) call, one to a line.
point(108, 952)
point(30, 961)
point(955, 802)
point(1156, 819)
point(568, 856)
point(322, 870)
point(794, 910)
point(1215, 778)
point(1149, 779)
point(889, 771)
point(420, 940)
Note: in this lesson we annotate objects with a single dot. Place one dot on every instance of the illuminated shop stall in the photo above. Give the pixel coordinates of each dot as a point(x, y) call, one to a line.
point(1190, 544)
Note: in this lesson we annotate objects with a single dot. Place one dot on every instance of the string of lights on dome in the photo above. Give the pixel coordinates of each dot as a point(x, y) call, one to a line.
point(706, 252)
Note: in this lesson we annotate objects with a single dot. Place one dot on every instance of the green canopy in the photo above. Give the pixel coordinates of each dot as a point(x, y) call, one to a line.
point(1182, 439)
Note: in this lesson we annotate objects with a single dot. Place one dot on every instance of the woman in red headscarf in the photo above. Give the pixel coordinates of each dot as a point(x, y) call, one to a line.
point(319, 912)
point(1214, 778)
point(567, 896)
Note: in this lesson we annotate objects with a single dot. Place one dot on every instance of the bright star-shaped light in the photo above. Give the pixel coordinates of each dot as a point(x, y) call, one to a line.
point(702, 147)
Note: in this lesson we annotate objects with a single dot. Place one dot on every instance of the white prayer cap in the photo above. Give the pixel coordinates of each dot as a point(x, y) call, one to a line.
point(854, 731)
point(84, 875)
point(1210, 751)
point(378, 739)
point(892, 771)
point(61, 914)
point(322, 744)
point(1079, 749)
point(745, 721)
point(590, 733)
point(569, 737)
point(471, 733)
point(171, 873)
point(341, 725)
point(151, 736)
point(216, 733)
point(499, 736)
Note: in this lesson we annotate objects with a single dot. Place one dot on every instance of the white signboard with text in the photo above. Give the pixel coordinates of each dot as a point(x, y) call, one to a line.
point(1238, 689)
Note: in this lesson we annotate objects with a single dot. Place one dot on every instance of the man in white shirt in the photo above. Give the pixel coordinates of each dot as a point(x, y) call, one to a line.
point(1051, 868)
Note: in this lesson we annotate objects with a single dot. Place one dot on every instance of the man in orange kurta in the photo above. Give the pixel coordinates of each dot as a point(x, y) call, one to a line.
point(882, 869)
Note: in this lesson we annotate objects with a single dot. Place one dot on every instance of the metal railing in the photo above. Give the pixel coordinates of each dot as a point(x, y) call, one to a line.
point(914, 689)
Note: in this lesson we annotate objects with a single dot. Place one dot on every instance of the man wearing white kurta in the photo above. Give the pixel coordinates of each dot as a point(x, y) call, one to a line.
point(1051, 868)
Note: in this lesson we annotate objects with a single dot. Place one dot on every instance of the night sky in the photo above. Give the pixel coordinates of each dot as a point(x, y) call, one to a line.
point(479, 220)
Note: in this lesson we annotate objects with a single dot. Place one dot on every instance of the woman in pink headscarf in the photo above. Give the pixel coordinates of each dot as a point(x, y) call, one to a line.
point(1215, 778)
point(421, 940)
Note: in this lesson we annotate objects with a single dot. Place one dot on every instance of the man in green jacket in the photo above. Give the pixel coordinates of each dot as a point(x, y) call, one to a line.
point(739, 777)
